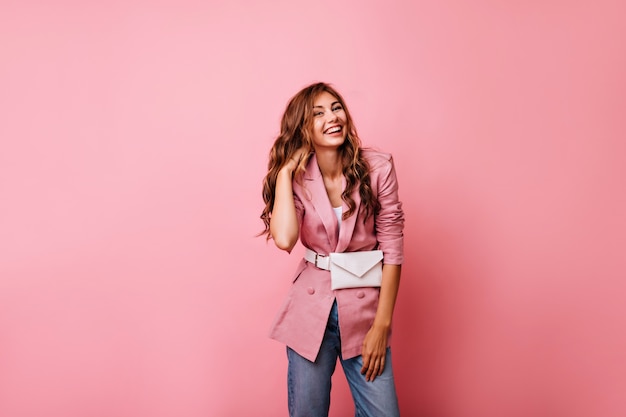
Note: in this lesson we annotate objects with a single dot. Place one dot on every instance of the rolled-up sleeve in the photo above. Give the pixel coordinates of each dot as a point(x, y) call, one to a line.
point(390, 218)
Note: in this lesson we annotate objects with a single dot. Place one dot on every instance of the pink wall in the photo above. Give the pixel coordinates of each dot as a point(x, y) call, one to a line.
point(134, 140)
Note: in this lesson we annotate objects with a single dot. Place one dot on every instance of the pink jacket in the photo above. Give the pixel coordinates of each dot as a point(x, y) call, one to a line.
point(301, 321)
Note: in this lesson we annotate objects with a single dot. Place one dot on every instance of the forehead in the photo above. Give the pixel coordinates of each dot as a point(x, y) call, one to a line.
point(324, 99)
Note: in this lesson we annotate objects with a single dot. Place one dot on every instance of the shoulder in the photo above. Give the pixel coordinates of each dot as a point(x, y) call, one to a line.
point(377, 160)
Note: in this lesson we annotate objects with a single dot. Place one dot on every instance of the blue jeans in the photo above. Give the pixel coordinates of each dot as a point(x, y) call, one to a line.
point(309, 382)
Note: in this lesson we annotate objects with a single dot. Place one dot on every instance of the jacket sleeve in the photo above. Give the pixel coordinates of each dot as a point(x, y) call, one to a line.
point(299, 208)
point(390, 219)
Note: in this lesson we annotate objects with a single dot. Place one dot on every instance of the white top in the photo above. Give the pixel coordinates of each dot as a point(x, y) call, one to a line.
point(338, 212)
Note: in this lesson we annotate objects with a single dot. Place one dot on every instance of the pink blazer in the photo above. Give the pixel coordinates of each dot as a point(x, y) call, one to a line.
point(301, 321)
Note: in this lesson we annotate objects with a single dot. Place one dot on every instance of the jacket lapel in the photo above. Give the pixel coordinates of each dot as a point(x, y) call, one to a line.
point(320, 201)
point(339, 239)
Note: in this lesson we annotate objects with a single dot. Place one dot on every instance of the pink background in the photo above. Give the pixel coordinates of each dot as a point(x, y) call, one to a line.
point(134, 141)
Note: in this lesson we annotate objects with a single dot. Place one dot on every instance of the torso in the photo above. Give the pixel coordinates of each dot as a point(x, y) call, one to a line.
point(310, 297)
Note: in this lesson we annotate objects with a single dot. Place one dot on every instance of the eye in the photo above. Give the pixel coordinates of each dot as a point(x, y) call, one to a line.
point(337, 107)
point(318, 113)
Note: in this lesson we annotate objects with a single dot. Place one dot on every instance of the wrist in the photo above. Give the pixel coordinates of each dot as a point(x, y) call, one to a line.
point(286, 170)
point(382, 324)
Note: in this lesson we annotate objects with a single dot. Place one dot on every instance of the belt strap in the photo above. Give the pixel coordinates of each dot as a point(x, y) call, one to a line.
point(320, 261)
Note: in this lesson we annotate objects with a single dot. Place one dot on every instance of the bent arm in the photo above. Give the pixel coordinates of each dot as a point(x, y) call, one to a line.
point(284, 227)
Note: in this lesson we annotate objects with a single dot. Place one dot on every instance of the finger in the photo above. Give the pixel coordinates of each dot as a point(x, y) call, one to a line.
point(379, 366)
point(366, 364)
point(373, 369)
point(370, 374)
point(368, 367)
point(382, 366)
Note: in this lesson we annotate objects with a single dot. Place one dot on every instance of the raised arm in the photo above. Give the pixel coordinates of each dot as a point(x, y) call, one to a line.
point(284, 227)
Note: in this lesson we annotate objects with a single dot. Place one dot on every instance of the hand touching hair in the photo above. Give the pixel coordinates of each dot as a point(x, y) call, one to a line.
point(294, 145)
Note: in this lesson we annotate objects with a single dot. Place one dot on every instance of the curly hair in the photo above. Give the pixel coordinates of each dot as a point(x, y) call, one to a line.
point(296, 132)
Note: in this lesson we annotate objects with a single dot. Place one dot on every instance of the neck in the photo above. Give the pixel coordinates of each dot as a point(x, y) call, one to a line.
point(329, 162)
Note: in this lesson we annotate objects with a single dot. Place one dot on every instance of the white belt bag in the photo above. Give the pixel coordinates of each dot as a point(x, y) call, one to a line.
point(350, 269)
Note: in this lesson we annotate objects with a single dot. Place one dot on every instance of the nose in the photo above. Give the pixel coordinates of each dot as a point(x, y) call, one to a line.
point(331, 116)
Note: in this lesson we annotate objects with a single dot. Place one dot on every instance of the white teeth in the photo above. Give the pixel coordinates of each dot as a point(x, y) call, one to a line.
point(334, 129)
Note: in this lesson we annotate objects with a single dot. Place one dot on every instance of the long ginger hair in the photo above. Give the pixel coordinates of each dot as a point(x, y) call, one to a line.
point(296, 132)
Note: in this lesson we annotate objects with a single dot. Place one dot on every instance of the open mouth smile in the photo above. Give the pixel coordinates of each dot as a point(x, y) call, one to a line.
point(333, 129)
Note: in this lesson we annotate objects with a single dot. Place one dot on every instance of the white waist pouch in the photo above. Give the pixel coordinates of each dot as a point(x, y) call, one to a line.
point(356, 269)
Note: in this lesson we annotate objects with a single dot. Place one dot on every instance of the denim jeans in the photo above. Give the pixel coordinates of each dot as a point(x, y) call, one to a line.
point(309, 382)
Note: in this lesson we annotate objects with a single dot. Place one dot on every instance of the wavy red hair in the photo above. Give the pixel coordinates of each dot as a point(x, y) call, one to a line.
point(296, 132)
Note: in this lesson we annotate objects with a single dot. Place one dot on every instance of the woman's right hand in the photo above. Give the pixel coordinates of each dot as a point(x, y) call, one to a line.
point(299, 155)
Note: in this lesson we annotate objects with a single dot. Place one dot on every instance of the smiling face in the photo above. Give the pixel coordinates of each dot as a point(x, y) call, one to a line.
point(329, 128)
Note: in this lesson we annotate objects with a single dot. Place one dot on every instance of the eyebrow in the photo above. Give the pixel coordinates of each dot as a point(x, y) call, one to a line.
point(331, 104)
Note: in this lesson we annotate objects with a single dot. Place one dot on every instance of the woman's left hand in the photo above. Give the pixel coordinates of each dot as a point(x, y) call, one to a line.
point(374, 352)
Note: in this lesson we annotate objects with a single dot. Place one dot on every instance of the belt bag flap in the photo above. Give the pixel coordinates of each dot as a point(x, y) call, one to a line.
point(356, 269)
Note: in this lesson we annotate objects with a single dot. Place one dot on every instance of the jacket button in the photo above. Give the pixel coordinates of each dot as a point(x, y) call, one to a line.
point(360, 294)
point(310, 290)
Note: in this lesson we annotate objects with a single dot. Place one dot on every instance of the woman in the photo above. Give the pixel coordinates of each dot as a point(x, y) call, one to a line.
point(323, 188)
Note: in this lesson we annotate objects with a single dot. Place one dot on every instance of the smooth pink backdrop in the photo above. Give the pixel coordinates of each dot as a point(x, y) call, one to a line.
point(134, 137)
